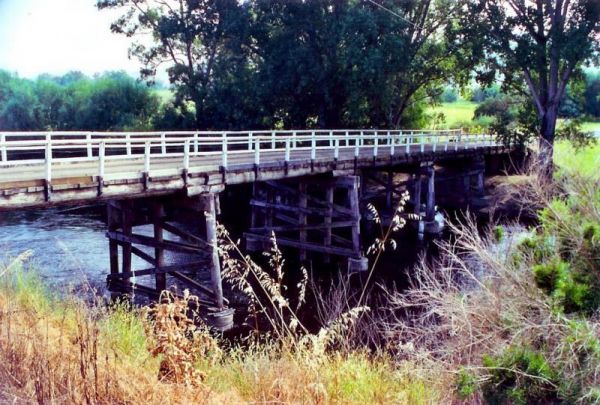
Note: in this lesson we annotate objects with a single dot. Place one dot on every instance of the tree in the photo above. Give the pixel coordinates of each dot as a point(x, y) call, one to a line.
point(320, 63)
point(111, 101)
point(534, 47)
point(192, 37)
point(415, 51)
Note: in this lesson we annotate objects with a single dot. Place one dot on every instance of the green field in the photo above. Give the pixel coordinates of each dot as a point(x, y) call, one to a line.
point(460, 113)
point(165, 95)
point(457, 113)
point(585, 161)
point(590, 126)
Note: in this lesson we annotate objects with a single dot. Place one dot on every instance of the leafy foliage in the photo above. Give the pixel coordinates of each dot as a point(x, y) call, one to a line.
point(111, 101)
point(268, 63)
point(520, 376)
point(536, 46)
point(571, 131)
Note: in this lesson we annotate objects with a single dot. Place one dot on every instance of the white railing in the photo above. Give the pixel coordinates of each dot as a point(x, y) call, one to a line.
point(26, 148)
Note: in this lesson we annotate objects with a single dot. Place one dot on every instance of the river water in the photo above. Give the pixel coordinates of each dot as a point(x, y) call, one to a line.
point(68, 246)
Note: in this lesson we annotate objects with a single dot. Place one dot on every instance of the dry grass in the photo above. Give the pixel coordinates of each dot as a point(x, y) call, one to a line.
point(481, 299)
point(66, 351)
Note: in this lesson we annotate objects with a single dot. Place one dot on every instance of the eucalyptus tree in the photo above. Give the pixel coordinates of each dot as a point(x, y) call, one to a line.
point(193, 38)
point(353, 63)
point(413, 54)
point(534, 47)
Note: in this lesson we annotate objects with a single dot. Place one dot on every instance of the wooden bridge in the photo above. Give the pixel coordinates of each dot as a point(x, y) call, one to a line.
point(306, 187)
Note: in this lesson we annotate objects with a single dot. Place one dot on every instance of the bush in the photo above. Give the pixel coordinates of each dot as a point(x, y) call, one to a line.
point(481, 94)
point(449, 95)
point(549, 275)
point(516, 322)
point(520, 376)
point(501, 108)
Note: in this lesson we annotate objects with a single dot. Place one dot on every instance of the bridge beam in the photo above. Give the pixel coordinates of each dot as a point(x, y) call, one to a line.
point(183, 226)
point(316, 216)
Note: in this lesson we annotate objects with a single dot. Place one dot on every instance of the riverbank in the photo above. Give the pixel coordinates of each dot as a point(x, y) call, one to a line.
point(507, 314)
point(64, 350)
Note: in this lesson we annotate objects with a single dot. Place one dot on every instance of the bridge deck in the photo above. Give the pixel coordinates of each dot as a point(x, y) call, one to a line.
point(102, 166)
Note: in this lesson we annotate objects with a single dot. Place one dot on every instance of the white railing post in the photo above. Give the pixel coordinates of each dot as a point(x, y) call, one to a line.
point(422, 137)
point(163, 147)
point(128, 143)
point(88, 142)
point(224, 149)
point(456, 141)
point(313, 146)
point(434, 141)
point(362, 138)
point(250, 141)
point(375, 144)
point(3, 148)
point(407, 140)
point(336, 150)
point(392, 143)
point(196, 136)
point(186, 154)
point(48, 159)
point(357, 146)
point(294, 144)
point(347, 138)
point(287, 148)
point(101, 154)
point(257, 150)
point(147, 152)
point(330, 139)
point(272, 139)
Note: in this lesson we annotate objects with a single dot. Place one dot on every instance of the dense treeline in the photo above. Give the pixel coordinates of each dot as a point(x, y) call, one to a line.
point(111, 101)
point(294, 64)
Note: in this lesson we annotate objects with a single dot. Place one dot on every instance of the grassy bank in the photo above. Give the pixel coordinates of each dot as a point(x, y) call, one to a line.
point(456, 114)
point(56, 351)
point(507, 315)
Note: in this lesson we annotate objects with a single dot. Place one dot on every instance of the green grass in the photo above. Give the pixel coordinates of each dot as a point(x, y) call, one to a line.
point(585, 161)
point(456, 113)
point(460, 113)
point(590, 126)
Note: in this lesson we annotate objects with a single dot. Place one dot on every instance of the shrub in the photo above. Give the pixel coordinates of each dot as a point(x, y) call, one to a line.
point(520, 375)
point(499, 233)
point(548, 275)
point(466, 384)
point(449, 95)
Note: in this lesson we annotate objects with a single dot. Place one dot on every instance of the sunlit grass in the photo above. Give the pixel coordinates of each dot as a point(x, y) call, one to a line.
point(63, 350)
point(461, 113)
point(456, 113)
point(585, 161)
point(590, 126)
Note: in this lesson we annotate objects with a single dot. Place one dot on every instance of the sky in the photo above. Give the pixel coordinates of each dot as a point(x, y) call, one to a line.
point(57, 36)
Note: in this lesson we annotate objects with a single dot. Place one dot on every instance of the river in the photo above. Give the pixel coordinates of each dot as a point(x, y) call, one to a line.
point(68, 246)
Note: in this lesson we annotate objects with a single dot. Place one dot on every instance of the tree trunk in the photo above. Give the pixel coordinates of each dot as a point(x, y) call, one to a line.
point(546, 145)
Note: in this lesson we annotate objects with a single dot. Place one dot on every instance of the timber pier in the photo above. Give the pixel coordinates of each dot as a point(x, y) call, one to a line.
point(308, 186)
